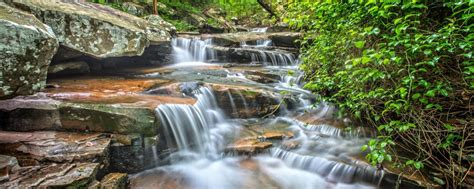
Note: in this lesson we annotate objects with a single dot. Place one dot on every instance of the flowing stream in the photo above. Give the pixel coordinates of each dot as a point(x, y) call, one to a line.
point(316, 156)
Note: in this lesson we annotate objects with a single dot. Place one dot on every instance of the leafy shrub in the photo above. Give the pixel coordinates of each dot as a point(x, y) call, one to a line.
point(405, 68)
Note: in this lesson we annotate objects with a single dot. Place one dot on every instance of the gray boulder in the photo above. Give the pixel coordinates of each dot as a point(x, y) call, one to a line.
point(90, 28)
point(159, 30)
point(133, 8)
point(26, 49)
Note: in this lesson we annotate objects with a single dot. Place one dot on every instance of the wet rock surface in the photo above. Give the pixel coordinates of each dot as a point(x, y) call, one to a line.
point(73, 175)
point(24, 67)
point(114, 181)
point(248, 146)
point(98, 105)
point(38, 148)
point(284, 39)
point(247, 101)
point(244, 55)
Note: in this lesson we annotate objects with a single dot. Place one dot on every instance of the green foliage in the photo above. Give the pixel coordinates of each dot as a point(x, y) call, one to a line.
point(117, 6)
point(394, 65)
point(184, 6)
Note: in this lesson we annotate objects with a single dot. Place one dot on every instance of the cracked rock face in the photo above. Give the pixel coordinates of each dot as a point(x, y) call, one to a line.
point(90, 28)
point(26, 49)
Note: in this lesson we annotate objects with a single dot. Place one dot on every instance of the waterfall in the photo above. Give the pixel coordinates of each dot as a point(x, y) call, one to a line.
point(332, 170)
point(196, 128)
point(262, 42)
point(273, 58)
point(318, 155)
point(259, 30)
point(192, 50)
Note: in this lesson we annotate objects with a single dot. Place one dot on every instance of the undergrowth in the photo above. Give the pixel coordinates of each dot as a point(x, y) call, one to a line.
point(404, 68)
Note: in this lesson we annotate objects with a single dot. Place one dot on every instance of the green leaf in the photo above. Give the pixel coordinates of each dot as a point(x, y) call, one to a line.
point(364, 147)
point(403, 92)
point(427, 52)
point(443, 92)
point(449, 127)
point(416, 96)
point(359, 44)
point(430, 93)
point(418, 165)
point(424, 100)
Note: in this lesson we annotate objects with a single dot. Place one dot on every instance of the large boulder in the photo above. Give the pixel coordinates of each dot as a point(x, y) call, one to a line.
point(158, 29)
point(26, 49)
point(90, 28)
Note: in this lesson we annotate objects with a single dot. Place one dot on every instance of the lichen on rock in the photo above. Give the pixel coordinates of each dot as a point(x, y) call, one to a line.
point(26, 49)
point(90, 28)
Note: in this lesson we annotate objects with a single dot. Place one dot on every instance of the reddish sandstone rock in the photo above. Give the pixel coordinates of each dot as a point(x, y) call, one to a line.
point(248, 146)
point(35, 148)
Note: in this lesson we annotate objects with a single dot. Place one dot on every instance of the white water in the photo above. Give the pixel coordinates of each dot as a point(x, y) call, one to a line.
point(198, 128)
point(273, 58)
point(201, 132)
point(192, 50)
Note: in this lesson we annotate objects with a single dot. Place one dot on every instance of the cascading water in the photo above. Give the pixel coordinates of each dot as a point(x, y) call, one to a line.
point(273, 58)
point(259, 30)
point(317, 156)
point(196, 128)
point(192, 50)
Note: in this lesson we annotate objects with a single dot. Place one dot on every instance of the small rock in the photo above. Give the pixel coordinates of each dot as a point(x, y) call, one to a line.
point(248, 146)
point(114, 181)
point(229, 65)
point(133, 8)
point(290, 144)
point(69, 68)
point(278, 135)
point(8, 164)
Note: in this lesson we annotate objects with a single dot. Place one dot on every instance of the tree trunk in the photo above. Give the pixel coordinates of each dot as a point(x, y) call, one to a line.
point(267, 7)
point(155, 11)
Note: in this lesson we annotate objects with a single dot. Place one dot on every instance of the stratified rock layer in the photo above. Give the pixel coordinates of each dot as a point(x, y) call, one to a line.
point(37, 148)
point(75, 175)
